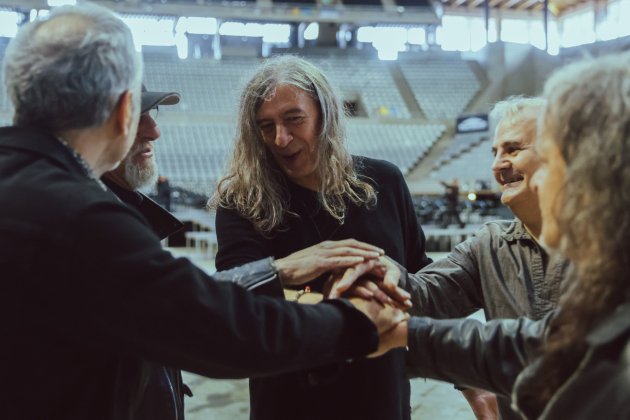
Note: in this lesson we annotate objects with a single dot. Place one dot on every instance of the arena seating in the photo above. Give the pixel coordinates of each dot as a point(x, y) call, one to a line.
point(207, 86)
point(197, 134)
point(403, 145)
point(469, 166)
point(212, 86)
point(366, 78)
point(443, 84)
point(461, 144)
point(194, 155)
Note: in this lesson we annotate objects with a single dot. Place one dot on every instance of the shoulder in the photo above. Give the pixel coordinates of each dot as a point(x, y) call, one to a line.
point(488, 237)
point(230, 223)
point(225, 214)
point(497, 228)
point(69, 212)
point(377, 169)
point(63, 192)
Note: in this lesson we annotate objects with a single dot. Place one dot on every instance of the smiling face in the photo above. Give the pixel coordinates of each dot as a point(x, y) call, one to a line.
point(548, 183)
point(515, 161)
point(289, 124)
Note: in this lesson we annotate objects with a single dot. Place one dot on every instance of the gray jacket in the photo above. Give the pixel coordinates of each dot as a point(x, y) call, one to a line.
point(501, 270)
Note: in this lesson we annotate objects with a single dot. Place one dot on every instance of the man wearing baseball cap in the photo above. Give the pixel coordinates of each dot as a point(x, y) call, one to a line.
point(160, 391)
point(138, 169)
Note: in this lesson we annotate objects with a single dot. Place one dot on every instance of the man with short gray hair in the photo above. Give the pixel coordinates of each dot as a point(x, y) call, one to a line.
point(502, 269)
point(87, 294)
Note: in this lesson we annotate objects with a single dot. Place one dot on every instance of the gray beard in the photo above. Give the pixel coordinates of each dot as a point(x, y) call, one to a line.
point(140, 177)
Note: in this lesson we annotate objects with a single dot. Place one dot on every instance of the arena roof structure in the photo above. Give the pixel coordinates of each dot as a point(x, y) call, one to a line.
point(556, 7)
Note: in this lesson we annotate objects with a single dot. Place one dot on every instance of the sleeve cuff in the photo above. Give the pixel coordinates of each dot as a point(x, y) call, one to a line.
point(259, 277)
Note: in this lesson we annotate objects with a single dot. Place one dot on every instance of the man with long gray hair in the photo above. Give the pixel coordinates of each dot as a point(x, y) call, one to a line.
point(294, 191)
point(87, 293)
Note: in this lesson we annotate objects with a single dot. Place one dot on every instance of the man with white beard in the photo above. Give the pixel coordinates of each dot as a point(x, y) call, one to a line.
point(163, 390)
point(138, 169)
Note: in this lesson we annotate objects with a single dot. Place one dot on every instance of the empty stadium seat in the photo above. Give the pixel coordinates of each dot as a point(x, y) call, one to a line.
point(442, 84)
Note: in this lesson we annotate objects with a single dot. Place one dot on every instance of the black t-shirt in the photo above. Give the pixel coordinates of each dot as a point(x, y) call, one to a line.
point(362, 389)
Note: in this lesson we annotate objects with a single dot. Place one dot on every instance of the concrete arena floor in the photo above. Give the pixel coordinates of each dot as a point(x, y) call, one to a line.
point(229, 399)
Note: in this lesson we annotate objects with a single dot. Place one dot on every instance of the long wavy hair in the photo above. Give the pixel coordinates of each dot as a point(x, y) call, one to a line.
point(254, 185)
point(588, 118)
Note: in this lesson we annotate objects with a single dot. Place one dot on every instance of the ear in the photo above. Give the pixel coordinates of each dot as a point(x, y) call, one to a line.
point(124, 113)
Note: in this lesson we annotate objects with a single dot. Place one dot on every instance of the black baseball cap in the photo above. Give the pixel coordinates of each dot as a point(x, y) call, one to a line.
point(152, 99)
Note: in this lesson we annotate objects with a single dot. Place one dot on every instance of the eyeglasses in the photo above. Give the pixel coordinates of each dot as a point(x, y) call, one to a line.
point(153, 113)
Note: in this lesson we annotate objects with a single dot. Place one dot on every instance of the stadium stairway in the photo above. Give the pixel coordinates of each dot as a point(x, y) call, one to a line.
point(418, 179)
point(406, 92)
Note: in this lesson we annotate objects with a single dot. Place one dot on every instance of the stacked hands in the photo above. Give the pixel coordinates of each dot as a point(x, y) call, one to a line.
point(361, 273)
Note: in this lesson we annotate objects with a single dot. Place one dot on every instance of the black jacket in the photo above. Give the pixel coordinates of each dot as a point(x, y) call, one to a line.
point(372, 389)
point(163, 223)
point(161, 392)
point(87, 295)
point(499, 355)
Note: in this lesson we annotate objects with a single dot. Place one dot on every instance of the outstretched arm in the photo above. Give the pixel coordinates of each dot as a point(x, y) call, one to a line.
point(447, 288)
point(136, 299)
point(464, 351)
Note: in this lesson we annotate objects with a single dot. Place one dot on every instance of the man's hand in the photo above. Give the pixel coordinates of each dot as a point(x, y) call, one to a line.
point(391, 339)
point(384, 317)
point(483, 403)
point(385, 275)
point(310, 263)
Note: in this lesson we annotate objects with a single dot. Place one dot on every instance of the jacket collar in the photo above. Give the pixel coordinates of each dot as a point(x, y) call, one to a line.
point(133, 198)
point(516, 231)
point(38, 142)
point(163, 223)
